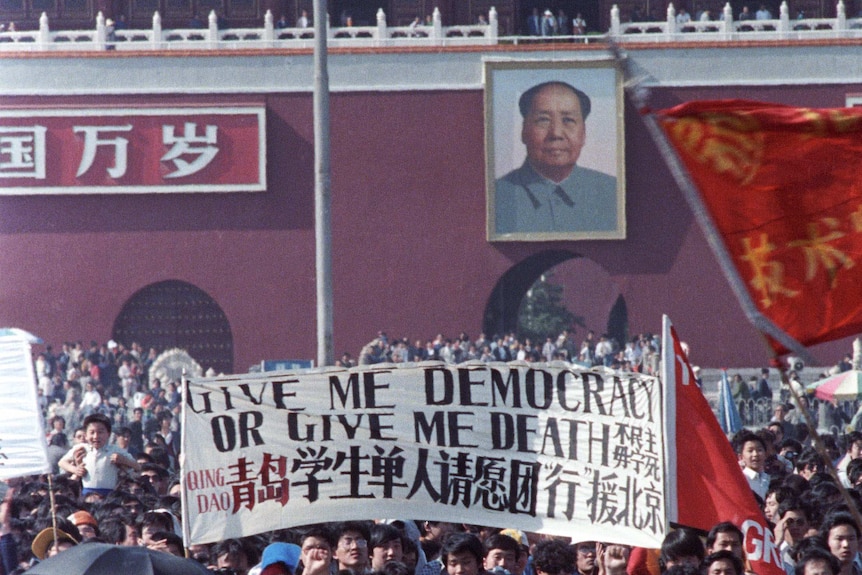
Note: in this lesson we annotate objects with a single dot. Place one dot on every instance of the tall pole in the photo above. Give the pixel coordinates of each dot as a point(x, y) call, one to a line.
point(322, 199)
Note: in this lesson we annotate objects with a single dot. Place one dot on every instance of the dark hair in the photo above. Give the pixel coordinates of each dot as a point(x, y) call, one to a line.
point(681, 543)
point(394, 568)
point(112, 530)
point(817, 554)
point(836, 520)
point(380, 534)
point(792, 504)
point(790, 443)
point(796, 483)
point(158, 469)
point(723, 555)
point(462, 543)
point(743, 437)
point(360, 527)
point(553, 556)
point(723, 527)
point(683, 569)
point(159, 519)
point(319, 532)
point(808, 457)
point(503, 542)
point(60, 440)
point(97, 418)
point(849, 439)
point(236, 547)
point(854, 471)
point(525, 103)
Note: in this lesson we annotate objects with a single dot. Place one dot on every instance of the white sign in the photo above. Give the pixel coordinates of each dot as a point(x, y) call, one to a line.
point(544, 448)
point(23, 450)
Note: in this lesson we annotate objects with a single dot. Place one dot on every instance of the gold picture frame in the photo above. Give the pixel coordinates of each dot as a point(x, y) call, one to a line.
point(545, 181)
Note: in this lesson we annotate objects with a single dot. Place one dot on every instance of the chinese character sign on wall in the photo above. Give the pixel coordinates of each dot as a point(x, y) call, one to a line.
point(544, 449)
point(110, 150)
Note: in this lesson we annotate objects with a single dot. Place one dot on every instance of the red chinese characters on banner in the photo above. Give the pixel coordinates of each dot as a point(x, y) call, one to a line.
point(132, 150)
point(784, 190)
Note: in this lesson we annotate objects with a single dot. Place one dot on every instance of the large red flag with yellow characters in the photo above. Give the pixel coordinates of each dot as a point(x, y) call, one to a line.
point(783, 188)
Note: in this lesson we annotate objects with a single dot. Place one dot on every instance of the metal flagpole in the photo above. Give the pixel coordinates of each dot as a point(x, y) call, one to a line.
point(322, 199)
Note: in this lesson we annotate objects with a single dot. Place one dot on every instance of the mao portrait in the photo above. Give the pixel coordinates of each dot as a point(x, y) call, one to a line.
point(542, 189)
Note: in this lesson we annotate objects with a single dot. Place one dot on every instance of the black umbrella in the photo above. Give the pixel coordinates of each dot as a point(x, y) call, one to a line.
point(105, 559)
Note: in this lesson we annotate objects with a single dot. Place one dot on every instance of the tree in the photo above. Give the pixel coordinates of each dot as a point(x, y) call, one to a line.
point(542, 312)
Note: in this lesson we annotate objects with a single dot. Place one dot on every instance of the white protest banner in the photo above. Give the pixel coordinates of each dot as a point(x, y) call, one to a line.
point(539, 447)
point(23, 450)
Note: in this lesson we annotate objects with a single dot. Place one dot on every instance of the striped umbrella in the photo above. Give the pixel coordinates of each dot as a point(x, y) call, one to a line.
point(728, 414)
point(846, 385)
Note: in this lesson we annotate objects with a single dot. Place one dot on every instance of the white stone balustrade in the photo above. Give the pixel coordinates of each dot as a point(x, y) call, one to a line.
point(724, 28)
point(104, 37)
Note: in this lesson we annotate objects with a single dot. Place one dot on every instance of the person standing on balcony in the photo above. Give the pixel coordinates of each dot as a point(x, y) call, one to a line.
point(579, 25)
point(534, 23)
point(763, 13)
point(303, 22)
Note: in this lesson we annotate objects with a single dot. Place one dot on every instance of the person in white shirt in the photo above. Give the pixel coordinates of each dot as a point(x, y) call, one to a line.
point(763, 13)
point(302, 21)
point(752, 457)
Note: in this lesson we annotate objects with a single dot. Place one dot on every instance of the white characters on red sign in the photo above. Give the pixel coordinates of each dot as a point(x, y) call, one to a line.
point(759, 545)
point(189, 144)
point(22, 152)
point(92, 142)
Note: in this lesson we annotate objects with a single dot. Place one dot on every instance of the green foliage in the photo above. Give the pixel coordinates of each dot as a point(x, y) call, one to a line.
point(543, 312)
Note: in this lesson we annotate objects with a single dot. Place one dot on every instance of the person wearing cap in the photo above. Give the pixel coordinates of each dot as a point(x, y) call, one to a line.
point(550, 192)
point(97, 463)
point(280, 559)
point(549, 24)
point(87, 525)
point(47, 544)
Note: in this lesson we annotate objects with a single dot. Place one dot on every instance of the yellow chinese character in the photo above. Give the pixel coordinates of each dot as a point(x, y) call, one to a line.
point(767, 276)
point(818, 251)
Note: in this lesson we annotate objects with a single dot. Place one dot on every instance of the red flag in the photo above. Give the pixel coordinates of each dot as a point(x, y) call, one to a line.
point(783, 188)
point(708, 486)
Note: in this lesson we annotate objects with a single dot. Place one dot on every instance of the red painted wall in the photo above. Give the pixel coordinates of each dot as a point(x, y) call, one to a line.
point(409, 249)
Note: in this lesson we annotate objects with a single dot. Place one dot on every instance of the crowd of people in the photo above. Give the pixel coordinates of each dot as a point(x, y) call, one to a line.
point(641, 353)
point(114, 446)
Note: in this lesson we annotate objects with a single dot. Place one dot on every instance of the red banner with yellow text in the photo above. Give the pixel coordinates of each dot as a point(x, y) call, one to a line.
point(783, 188)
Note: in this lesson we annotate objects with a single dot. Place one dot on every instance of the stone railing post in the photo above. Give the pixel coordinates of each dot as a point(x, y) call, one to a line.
point(671, 21)
point(382, 32)
point(268, 28)
point(783, 19)
point(841, 18)
point(493, 26)
point(44, 32)
point(101, 31)
point(615, 20)
point(728, 21)
point(437, 21)
point(157, 30)
point(212, 31)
